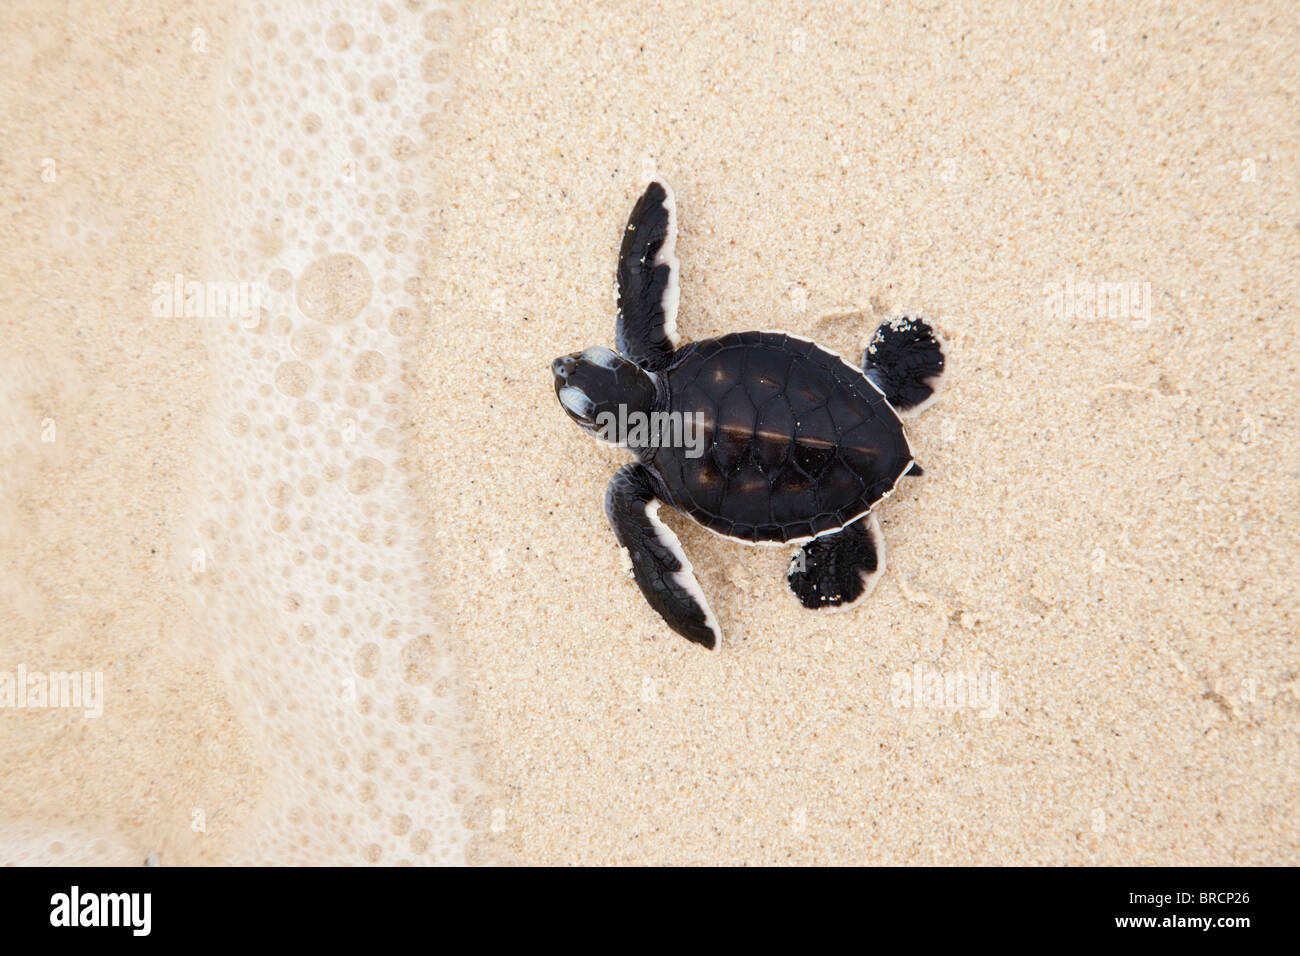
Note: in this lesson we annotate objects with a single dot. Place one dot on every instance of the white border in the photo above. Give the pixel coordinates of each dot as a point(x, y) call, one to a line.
point(869, 580)
point(667, 255)
point(936, 382)
point(685, 578)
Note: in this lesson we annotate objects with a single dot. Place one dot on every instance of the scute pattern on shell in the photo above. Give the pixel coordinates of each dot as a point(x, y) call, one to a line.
point(797, 442)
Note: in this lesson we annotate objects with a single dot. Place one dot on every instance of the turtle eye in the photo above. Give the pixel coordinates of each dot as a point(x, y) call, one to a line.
point(601, 357)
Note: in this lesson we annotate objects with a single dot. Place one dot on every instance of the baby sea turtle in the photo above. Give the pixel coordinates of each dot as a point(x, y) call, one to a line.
point(762, 437)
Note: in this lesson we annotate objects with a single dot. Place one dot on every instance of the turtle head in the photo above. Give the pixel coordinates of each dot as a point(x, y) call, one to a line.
point(598, 388)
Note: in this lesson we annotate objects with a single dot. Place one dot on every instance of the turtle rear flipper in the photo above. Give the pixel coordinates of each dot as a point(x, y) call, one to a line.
point(907, 361)
point(837, 570)
point(646, 330)
point(659, 566)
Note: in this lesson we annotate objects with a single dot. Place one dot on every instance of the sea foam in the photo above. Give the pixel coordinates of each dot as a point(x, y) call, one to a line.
point(304, 555)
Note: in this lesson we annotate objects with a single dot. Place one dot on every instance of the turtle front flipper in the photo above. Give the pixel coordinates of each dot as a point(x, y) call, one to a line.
point(660, 567)
point(837, 570)
point(646, 331)
point(907, 361)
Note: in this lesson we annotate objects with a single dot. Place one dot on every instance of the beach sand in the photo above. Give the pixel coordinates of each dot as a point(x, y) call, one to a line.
point(1103, 544)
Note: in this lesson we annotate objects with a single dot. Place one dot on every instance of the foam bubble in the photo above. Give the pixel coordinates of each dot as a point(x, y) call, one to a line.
point(334, 288)
point(30, 845)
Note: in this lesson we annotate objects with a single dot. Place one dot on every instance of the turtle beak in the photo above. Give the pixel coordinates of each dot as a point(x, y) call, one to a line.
point(562, 368)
